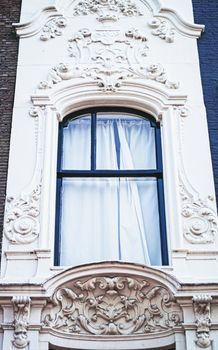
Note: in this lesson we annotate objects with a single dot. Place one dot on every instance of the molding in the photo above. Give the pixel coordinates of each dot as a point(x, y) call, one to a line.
point(190, 30)
point(34, 26)
point(201, 306)
point(71, 94)
point(21, 305)
point(36, 23)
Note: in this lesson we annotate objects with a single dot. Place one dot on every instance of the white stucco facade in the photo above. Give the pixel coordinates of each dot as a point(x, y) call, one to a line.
point(48, 307)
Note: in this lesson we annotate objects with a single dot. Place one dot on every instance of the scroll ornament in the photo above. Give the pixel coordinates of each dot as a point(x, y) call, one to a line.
point(201, 305)
point(200, 220)
point(22, 217)
point(109, 57)
point(53, 28)
point(21, 320)
point(162, 29)
point(111, 306)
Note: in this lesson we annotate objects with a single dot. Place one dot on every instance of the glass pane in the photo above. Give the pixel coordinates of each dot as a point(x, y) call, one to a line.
point(104, 219)
point(125, 142)
point(76, 153)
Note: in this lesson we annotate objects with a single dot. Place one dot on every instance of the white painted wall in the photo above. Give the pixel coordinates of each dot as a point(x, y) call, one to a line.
point(172, 95)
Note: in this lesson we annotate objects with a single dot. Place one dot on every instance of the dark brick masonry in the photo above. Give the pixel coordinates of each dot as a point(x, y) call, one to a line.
point(9, 13)
point(206, 12)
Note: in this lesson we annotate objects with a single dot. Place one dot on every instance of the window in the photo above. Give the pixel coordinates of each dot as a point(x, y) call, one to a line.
point(110, 203)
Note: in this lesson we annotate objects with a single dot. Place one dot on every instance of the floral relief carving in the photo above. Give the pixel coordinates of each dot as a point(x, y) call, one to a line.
point(21, 306)
point(53, 28)
point(109, 57)
point(200, 220)
point(162, 29)
point(201, 305)
point(107, 9)
point(157, 72)
point(112, 306)
point(22, 217)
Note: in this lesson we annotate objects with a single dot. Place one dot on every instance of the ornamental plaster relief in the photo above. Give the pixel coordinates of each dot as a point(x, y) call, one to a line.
point(112, 306)
point(107, 9)
point(21, 305)
point(53, 28)
point(22, 212)
point(22, 217)
point(201, 306)
point(199, 218)
point(162, 29)
point(109, 57)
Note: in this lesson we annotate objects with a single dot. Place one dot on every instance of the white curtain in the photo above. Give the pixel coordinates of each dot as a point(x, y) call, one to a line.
point(104, 219)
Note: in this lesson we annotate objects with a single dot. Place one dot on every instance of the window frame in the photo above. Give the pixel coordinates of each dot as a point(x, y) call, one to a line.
point(157, 173)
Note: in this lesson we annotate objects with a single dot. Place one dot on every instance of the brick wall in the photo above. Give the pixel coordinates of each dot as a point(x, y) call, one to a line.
point(9, 13)
point(206, 12)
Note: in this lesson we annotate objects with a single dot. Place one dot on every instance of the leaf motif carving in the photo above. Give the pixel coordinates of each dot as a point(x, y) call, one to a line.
point(112, 306)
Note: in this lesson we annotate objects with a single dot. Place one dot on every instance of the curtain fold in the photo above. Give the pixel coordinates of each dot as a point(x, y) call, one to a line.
point(110, 218)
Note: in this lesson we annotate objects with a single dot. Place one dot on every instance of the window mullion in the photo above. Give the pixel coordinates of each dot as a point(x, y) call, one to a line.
point(93, 140)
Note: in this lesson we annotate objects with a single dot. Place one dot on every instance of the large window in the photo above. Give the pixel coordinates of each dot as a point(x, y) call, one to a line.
point(110, 203)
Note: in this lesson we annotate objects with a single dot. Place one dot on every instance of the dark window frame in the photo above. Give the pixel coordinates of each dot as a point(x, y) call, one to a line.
point(157, 173)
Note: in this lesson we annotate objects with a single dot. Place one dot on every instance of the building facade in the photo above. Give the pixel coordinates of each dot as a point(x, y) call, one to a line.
point(103, 80)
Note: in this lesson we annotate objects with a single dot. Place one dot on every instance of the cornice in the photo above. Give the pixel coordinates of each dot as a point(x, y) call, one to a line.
point(188, 29)
point(36, 23)
point(147, 95)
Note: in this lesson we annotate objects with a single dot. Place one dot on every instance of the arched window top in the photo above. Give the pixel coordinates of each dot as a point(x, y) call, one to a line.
point(110, 191)
point(99, 132)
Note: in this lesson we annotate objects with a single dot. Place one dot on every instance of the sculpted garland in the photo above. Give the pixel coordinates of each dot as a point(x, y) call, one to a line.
point(112, 306)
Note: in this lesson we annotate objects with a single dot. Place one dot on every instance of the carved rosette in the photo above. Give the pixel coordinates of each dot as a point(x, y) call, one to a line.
point(201, 306)
point(53, 28)
point(200, 221)
point(162, 29)
point(21, 306)
point(112, 306)
point(107, 10)
point(22, 217)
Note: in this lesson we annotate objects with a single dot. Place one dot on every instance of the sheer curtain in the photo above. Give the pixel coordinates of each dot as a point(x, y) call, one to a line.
point(104, 219)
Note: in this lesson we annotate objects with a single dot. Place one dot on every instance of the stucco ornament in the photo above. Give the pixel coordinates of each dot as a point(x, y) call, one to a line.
point(199, 219)
point(157, 72)
point(22, 217)
point(112, 306)
point(109, 57)
point(107, 10)
point(21, 306)
point(162, 29)
point(201, 305)
point(53, 28)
